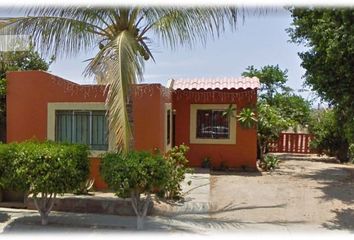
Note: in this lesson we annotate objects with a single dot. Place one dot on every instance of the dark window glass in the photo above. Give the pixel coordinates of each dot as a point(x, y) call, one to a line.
point(168, 127)
point(85, 127)
point(212, 124)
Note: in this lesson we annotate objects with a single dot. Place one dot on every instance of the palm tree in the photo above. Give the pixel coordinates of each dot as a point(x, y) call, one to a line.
point(123, 37)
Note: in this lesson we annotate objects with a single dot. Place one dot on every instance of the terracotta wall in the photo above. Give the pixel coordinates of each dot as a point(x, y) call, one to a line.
point(243, 153)
point(99, 184)
point(149, 116)
point(29, 92)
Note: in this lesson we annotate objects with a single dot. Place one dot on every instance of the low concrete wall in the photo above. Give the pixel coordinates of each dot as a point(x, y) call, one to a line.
point(91, 204)
point(12, 199)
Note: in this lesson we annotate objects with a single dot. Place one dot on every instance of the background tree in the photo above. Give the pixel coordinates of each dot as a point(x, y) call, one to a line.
point(270, 124)
point(16, 61)
point(326, 127)
point(278, 106)
point(293, 107)
point(123, 37)
point(329, 60)
point(274, 92)
point(272, 80)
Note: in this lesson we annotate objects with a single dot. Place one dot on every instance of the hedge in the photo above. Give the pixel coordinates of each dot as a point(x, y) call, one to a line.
point(44, 169)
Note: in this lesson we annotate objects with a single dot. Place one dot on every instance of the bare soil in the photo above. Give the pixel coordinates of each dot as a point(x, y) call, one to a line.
point(304, 190)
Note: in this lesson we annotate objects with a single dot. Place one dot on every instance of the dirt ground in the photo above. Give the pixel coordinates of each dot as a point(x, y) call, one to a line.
point(315, 192)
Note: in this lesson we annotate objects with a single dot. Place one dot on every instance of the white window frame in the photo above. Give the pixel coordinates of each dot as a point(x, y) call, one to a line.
point(193, 124)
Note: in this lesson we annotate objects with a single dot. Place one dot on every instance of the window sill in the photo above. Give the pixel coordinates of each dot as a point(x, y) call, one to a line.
point(96, 153)
point(213, 141)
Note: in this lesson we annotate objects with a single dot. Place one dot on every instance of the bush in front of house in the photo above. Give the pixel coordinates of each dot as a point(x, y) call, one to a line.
point(133, 174)
point(44, 170)
point(177, 165)
point(11, 177)
point(269, 163)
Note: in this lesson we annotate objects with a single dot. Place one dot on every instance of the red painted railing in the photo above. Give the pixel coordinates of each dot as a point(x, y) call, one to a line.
point(292, 143)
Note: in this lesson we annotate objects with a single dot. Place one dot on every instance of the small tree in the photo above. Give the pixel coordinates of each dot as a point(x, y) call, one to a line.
point(177, 165)
point(278, 108)
point(270, 125)
point(16, 61)
point(44, 170)
point(133, 174)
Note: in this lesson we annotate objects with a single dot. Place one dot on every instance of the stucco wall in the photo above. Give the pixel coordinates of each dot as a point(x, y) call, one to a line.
point(243, 153)
point(29, 92)
point(149, 116)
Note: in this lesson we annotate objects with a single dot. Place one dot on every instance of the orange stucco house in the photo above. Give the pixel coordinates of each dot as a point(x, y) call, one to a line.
point(43, 106)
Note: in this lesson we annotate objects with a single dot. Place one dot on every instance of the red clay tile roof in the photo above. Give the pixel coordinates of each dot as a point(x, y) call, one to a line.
point(214, 83)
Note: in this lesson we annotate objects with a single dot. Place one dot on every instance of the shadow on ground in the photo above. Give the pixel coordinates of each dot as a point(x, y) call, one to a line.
point(211, 210)
point(306, 157)
point(188, 222)
point(56, 224)
point(4, 217)
point(336, 183)
point(236, 173)
point(344, 220)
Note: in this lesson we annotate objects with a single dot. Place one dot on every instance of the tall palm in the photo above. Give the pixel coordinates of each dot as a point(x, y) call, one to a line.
point(123, 37)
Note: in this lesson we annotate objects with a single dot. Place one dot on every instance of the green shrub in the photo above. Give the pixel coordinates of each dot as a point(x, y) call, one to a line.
point(139, 172)
point(269, 163)
point(10, 161)
point(44, 170)
point(329, 134)
point(177, 165)
point(206, 163)
point(247, 118)
point(133, 174)
point(351, 152)
point(270, 124)
point(223, 166)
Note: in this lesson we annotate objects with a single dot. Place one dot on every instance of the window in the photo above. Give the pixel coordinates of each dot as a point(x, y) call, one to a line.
point(85, 127)
point(209, 126)
point(168, 122)
point(168, 137)
point(212, 124)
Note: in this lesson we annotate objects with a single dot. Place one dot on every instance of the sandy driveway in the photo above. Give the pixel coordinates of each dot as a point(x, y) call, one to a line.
point(309, 194)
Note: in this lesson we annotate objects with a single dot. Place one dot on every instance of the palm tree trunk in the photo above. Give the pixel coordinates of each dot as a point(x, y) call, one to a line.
point(129, 106)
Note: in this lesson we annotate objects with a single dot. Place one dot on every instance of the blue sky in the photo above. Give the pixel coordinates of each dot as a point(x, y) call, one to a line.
point(259, 40)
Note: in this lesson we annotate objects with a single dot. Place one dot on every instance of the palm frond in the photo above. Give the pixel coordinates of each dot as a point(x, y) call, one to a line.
point(187, 26)
point(121, 35)
point(60, 32)
point(120, 67)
